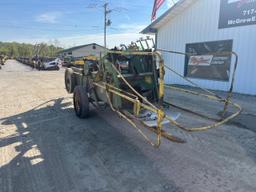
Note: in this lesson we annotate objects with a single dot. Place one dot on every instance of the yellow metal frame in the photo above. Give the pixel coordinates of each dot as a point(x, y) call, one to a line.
point(138, 105)
point(81, 61)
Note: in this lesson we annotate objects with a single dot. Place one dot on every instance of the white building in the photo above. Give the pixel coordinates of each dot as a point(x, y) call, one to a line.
point(204, 26)
point(83, 50)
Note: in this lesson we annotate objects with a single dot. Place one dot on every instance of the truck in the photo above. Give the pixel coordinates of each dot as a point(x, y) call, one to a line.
point(131, 83)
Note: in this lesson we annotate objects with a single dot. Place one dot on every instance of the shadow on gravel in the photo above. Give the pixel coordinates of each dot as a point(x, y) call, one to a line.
point(56, 151)
point(245, 121)
point(247, 140)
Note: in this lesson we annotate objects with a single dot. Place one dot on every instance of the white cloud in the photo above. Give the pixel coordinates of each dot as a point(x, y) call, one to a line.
point(49, 17)
point(125, 35)
point(112, 39)
point(70, 41)
point(132, 27)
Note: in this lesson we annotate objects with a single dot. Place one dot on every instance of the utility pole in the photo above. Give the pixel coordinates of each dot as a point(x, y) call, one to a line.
point(107, 23)
point(105, 26)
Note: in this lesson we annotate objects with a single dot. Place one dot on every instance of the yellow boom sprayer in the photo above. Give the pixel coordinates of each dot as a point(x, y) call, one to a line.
point(132, 84)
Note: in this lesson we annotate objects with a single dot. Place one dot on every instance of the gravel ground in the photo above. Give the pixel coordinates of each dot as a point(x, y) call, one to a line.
point(44, 147)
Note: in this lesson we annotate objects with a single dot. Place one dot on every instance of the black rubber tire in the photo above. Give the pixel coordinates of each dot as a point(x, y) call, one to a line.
point(81, 102)
point(70, 81)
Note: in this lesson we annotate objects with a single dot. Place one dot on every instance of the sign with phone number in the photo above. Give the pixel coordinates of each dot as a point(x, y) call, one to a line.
point(234, 13)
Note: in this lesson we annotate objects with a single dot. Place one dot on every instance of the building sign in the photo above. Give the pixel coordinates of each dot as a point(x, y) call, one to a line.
point(202, 60)
point(203, 64)
point(235, 13)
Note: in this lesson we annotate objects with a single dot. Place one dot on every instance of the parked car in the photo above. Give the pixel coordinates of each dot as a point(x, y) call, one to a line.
point(51, 64)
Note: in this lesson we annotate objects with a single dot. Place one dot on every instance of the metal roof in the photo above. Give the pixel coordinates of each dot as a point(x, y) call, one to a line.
point(175, 10)
point(79, 47)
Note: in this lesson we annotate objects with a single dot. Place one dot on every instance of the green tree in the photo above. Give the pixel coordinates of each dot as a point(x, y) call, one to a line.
point(14, 49)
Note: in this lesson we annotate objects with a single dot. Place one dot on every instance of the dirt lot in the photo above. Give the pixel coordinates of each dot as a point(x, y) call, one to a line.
point(45, 147)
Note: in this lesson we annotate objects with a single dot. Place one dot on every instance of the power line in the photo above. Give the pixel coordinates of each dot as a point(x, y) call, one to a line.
point(48, 29)
point(53, 25)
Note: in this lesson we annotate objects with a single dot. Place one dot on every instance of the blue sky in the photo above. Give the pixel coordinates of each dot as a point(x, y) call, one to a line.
point(73, 22)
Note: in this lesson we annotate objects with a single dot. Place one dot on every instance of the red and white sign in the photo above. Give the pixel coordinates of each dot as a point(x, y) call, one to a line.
point(200, 60)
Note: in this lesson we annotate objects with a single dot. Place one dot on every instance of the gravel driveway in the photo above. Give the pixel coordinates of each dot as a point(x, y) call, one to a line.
point(44, 147)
